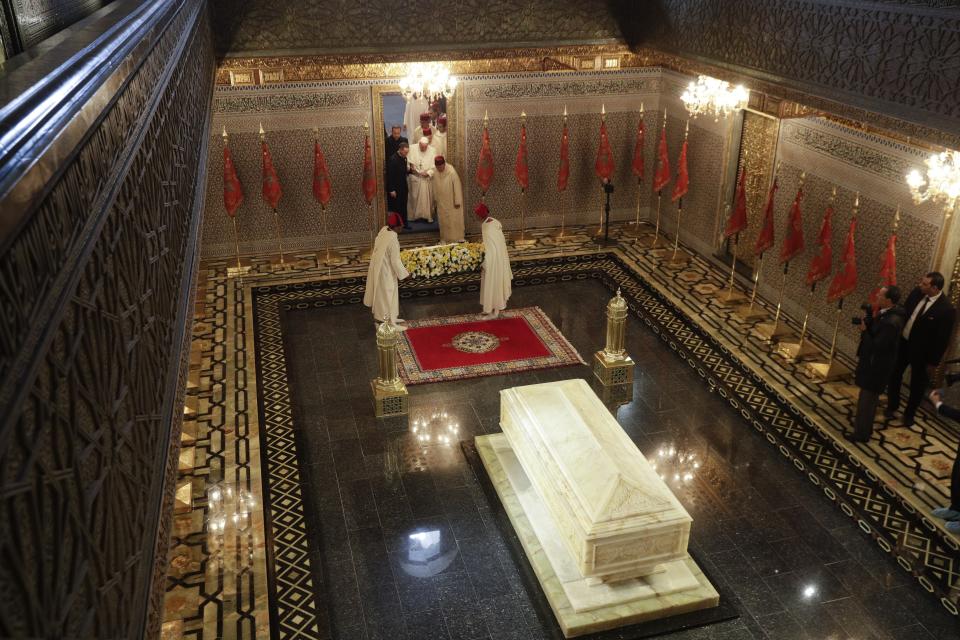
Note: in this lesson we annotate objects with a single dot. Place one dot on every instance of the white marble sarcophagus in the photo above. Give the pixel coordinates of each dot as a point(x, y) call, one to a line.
point(617, 517)
point(606, 537)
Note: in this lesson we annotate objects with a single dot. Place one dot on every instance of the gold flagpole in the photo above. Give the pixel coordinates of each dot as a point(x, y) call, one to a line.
point(561, 235)
point(598, 235)
point(366, 253)
point(236, 244)
point(522, 240)
point(750, 312)
point(329, 257)
point(635, 231)
point(233, 218)
point(676, 237)
point(656, 230)
point(276, 216)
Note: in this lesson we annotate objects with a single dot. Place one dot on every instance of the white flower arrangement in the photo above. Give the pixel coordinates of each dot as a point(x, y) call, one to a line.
point(442, 259)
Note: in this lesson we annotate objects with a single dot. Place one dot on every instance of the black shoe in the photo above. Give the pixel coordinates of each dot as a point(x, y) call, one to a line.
point(889, 414)
point(408, 227)
point(853, 438)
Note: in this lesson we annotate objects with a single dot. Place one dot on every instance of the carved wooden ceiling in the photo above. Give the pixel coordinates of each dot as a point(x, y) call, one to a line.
point(891, 64)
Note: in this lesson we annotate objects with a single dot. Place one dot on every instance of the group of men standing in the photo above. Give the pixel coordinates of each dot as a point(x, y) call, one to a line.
point(418, 178)
point(382, 293)
point(895, 338)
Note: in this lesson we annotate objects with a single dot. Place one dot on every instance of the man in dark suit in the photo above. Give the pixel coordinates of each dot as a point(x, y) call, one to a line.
point(952, 513)
point(393, 141)
point(877, 355)
point(397, 182)
point(925, 336)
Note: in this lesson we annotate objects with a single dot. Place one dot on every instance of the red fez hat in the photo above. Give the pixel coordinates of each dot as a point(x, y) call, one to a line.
point(442, 119)
point(439, 160)
point(425, 116)
point(427, 131)
point(394, 219)
point(481, 211)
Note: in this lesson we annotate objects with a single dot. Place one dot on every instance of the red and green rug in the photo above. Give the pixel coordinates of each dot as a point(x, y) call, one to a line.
point(467, 346)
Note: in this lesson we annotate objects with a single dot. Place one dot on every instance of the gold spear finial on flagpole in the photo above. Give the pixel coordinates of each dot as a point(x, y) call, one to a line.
point(224, 135)
point(603, 112)
point(263, 134)
point(896, 219)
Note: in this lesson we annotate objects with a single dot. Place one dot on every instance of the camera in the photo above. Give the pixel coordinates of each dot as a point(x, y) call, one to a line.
point(952, 377)
point(867, 308)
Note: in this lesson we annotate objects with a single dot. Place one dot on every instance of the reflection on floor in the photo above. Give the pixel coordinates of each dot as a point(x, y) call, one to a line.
point(405, 544)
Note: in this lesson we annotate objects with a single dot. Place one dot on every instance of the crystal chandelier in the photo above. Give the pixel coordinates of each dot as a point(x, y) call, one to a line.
point(942, 182)
point(428, 80)
point(712, 96)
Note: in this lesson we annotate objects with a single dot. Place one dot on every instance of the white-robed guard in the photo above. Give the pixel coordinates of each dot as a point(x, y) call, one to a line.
point(420, 162)
point(439, 140)
point(382, 293)
point(495, 287)
point(448, 195)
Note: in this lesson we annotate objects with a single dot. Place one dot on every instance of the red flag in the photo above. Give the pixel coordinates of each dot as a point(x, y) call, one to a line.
point(662, 177)
point(738, 221)
point(322, 189)
point(888, 270)
point(845, 280)
point(637, 165)
point(822, 263)
point(520, 169)
point(604, 164)
point(683, 180)
point(485, 162)
point(369, 182)
point(271, 183)
point(564, 173)
point(793, 240)
point(765, 239)
point(232, 191)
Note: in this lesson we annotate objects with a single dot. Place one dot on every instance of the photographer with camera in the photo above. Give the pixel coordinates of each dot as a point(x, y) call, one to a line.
point(925, 337)
point(951, 513)
point(877, 355)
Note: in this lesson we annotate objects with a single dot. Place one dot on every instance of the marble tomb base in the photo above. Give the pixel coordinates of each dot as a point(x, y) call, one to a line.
point(583, 605)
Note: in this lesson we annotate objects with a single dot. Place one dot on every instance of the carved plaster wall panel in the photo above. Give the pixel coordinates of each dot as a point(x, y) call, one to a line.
point(289, 113)
point(890, 58)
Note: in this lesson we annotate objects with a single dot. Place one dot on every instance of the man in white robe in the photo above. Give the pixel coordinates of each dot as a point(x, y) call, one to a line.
point(495, 279)
point(382, 292)
point(448, 196)
point(420, 161)
point(412, 113)
point(439, 140)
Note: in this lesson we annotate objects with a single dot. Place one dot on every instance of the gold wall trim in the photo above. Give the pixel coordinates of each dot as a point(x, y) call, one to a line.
point(788, 102)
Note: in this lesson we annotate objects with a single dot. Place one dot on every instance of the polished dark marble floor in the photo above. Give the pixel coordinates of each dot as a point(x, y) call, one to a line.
point(404, 543)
